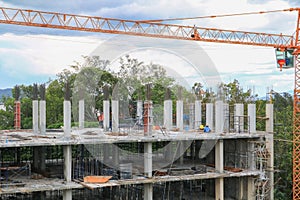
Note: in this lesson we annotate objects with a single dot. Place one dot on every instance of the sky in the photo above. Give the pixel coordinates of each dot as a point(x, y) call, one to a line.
point(35, 55)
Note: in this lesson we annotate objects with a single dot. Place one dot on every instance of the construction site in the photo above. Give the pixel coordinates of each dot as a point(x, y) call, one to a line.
point(141, 160)
point(145, 158)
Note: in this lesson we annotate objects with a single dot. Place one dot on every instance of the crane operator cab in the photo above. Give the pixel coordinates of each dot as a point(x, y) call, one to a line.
point(284, 58)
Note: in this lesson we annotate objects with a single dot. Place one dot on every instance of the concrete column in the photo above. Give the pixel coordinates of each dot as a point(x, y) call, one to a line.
point(81, 114)
point(35, 116)
point(168, 114)
point(226, 117)
point(67, 163)
point(198, 114)
point(239, 117)
point(219, 163)
point(43, 116)
point(168, 126)
point(67, 119)
point(210, 115)
point(219, 117)
point(148, 191)
point(67, 150)
point(67, 194)
point(148, 188)
point(115, 115)
point(192, 115)
point(148, 118)
point(242, 189)
point(139, 111)
point(270, 163)
point(251, 166)
point(148, 159)
point(179, 114)
point(270, 119)
point(179, 123)
point(251, 189)
point(270, 147)
point(106, 114)
point(38, 152)
point(115, 155)
point(252, 118)
point(115, 128)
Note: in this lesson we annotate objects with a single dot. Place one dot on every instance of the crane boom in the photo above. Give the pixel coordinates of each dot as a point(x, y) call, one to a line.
point(140, 28)
point(159, 30)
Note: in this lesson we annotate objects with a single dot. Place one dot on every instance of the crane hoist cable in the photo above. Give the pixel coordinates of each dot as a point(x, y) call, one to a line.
point(221, 15)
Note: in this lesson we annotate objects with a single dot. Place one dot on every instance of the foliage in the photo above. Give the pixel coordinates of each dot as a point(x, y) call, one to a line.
point(283, 146)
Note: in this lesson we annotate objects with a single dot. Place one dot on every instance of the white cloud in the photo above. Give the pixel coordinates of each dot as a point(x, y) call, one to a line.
point(44, 54)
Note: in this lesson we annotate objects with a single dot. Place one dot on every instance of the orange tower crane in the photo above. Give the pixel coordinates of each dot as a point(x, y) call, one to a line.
point(155, 28)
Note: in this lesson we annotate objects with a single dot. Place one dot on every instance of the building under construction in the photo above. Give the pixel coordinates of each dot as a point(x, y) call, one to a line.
point(141, 158)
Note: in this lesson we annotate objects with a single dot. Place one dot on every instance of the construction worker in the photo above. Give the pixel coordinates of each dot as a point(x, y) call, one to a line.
point(100, 117)
point(201, 127)
point(206, 129)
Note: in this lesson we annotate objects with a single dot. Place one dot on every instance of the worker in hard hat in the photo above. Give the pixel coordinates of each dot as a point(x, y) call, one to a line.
point(206, 129)
point(201, 127)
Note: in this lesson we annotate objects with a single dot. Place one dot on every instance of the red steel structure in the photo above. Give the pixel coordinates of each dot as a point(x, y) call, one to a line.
point(17, 115)
point(155, 28)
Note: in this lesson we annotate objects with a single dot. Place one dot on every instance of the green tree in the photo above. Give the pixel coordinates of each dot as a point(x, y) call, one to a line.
point(283, 146)
point(54, 105)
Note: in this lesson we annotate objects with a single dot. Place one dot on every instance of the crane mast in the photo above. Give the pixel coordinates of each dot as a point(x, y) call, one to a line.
point(161, 30)
point(296, 116)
